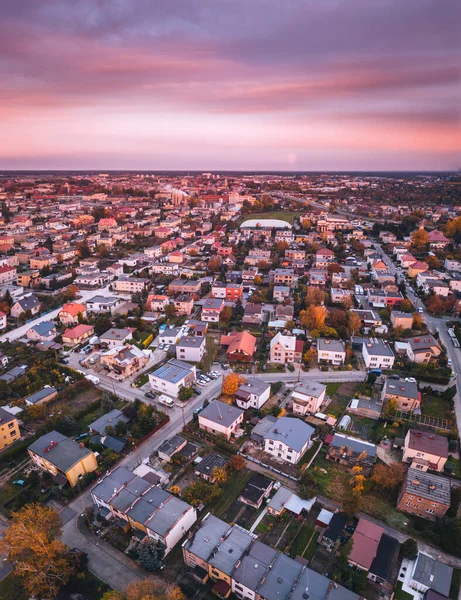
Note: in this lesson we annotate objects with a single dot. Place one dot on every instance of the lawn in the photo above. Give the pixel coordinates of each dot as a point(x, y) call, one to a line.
point(301, 540)
point(432, 406)
point(11, 589)
point(231, 491)
point(400, 594)
point(332, 388)
point(309, 454)
point(283, 215)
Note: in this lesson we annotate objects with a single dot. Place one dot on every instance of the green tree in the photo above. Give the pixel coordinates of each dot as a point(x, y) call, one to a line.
point(185, 393)
point(150, 556)
point(409, 549)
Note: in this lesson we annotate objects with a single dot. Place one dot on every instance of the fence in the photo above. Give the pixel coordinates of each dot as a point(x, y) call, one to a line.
point(266, 466)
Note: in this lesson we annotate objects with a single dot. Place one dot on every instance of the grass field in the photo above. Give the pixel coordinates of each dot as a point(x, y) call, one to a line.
point(231, 492)
point(301, 540)
point(432, 406)
point(283, 215)
point(400, 594)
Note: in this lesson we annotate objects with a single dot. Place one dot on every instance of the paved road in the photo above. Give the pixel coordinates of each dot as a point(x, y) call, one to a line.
point(316, 374)
point(21, 331)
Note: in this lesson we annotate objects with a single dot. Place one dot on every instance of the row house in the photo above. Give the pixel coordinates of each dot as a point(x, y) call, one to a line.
point(130, 285)
point(227, 291)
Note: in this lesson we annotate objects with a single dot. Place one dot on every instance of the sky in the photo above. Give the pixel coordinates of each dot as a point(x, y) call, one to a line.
point(230, 84)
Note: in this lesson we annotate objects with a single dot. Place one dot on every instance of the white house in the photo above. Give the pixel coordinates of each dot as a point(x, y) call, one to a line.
point(191, 348)
point(116, 337)
point(172, 376)
point(307, 397)
point(220, 418)
point(101, 304)
point(331, 351)
point(377, 354)
point(254, 393)
point(288, 439)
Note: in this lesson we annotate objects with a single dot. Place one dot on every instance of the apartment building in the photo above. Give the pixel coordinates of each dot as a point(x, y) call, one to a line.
point(425, 495)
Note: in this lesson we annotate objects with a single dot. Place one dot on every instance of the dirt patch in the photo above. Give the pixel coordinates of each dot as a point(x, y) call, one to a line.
point(256, 452)
point(78, 403)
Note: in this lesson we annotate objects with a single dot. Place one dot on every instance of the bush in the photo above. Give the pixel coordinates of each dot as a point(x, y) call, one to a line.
point(409, 549)
point(275, 387)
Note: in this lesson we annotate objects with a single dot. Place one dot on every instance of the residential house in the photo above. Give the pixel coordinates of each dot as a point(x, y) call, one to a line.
point(241, 345)
point(425, 495)
point(405, 394)
point(340, 295)
point(350, 451)
point(324, 257)
point(25, 304)
point(78, 334)
point(171, 335)
point(171, 447)
point(285, 349)
point(365, 542)
point(377, 354)
point(219, 418)
point(425, 450)
point(253, 314)
point(227, 291)
point(333, 531)
point(191, 348)
point(429, 577)
point(288, 439)
point(109, 419)
point(211, 310)
point(9, 429)
point(280, 292)
point(331, 351)
point(257, 490)
point(124, 361)
point(423, 350)
point(184, 286)
point(172, 376)
point(115, 337)
point(307, 397)
point(44, 395)
point(157, 303)
point(417, 267)
point(283, 277)
point(69, 313)
point(3, 320)
point(254, 393)
point(437, 241)
point(130, 285)
point(62, 457)
point(184, 304)
point(204, 468)
point(43, 332)
point(103, 304)
point(8, 275)
point(145, 507)
point(401, 319)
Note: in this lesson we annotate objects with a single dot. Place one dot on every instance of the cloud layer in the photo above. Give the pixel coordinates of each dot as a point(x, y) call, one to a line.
point(230, 84)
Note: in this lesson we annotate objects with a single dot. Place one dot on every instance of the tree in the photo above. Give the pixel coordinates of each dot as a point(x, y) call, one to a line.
point(33, 545)
point(185, 393)
point(311, 355)
point(406, 306)
point(200, 492)
point(121, 428)
point(314, 296)
point(214, 263)
point(351, 502)
point(150, 556)
point(409, 549)
point(453, 227)
point(226, 314)
point(170, 310)
point(313, 317)
point(388, 476)
point(420, 238)
point(237, 463)
point(354, 323)
point(48, 244)
point(372, 377)
point(390, 408)
point(219, 474)
point(231, 383)
point(418, 321)
point(83, 249)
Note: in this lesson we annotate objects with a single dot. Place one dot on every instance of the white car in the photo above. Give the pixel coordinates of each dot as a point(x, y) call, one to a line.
point(202, 382)
point(410, 379)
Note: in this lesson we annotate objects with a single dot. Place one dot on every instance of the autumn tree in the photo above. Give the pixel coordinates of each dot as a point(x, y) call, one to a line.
point(281, 247)
point(453, 227)
point(314, 317)
point(354, 323)
point(231, 383)
point(33, 545)
point(433, 262)
point(226, 314)
point(310, 356)
point(418, 321)
point(419, 238)
point(214, 263)
point(314, 296)
point(388, 476)
point(406, 306)
point(219, 474)
point(237, 463)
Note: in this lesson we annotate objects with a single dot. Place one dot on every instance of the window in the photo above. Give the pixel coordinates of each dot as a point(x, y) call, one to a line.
point(430, 511)
point(11, 425)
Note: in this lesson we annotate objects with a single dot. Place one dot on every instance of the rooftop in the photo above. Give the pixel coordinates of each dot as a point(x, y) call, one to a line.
point(429, 486)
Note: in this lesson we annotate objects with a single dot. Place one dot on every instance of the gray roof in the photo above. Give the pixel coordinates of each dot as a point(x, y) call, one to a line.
point(310, 388)
point(43, 328)
point(5, 416)
point(399, 387)
point(40, 395)
point(429, 486)
point(280, 498)
point(254, 386)
point(221, 413)
point(280, 579)
point(103, 299)
point(207, 464)
point(354, 444)
point(191, 342)
point(64, 453)
point(144, 508)
point(167, 515)
point(114, 481)
point(262, 428)
point(170, 446)
point(255, 565)
point(313, 583)
point(330, 345)
point(378, 347)
point(207, 537)
point(230, 550)
point(433, 574)
point(14, 373)
point(291, 431)
point(29, 302)
point(110, 418)
point(115, 334)
point(173, 371)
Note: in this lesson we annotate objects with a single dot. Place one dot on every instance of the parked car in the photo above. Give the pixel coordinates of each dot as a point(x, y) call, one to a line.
point(420, 310)
point(64, 361)
point(161, 346)
point(197, 392)
point(410, 379)
point(150, 394)
point(197, 410)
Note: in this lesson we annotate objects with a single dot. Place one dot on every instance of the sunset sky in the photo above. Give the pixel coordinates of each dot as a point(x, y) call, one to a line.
point(230, 84)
